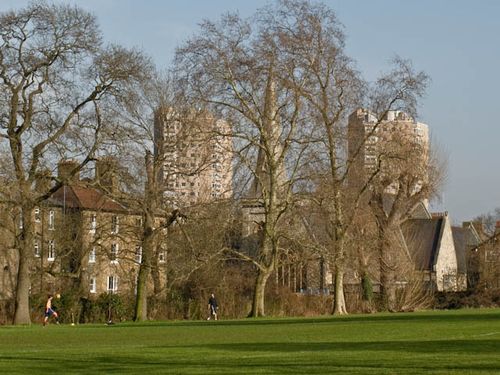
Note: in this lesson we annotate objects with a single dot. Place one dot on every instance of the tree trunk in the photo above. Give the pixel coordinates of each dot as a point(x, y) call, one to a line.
point(22, 308)
point(387, 287)
point(22, 305)
point(259, 293)
point(141, 300)
point(339, 306)
point(148, 242)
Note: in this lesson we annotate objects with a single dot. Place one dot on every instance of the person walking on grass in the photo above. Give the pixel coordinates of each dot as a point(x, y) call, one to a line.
point(212, 306)
point(49, 310)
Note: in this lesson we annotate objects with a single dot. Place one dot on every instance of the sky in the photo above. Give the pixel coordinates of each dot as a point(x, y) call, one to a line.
point(454, 41)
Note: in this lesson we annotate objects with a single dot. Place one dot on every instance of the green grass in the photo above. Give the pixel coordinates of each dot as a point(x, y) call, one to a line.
point(451, 342)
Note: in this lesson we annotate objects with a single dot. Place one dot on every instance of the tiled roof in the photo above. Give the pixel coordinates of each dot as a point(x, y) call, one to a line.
point(86, 198)
point(460, 247)
point(422, 238)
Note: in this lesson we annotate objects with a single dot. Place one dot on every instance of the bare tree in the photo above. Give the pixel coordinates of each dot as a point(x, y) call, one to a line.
point(411, 173)
point(238, 69)
point(284, 80)
point(488, 221)
point(56, 81)
point(332, 89)
point(164, 139)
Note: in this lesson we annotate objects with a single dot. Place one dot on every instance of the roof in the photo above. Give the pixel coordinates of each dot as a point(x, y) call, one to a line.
point(85, 198)
point(422, 240)
point(460, 243)
point(464, 238)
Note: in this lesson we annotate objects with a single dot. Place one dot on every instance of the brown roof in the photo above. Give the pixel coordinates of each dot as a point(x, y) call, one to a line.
point(86, 198)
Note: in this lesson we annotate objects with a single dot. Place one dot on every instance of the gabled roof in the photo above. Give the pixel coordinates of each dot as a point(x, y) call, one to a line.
point(420, 211)
point(85, 198)
point(464, 238)
point(460, 247)
point(422, 240)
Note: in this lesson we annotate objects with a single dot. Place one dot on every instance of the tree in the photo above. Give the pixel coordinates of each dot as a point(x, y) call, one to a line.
point(237, 69)
point(156, 125)
point(410, 173)
point(332, 88)
point(286, 83)
point(57, 80)
point(488, 221)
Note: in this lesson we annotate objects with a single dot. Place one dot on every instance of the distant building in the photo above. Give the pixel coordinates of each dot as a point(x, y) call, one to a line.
point(83, 239)
point(483, 263)
point(431, 246)
point(368, 136)
point(196, 153)
point(466, 239)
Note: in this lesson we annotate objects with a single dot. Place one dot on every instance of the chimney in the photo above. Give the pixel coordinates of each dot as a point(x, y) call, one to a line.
point(106, 174)
point(65, 170)
point(43, 181)
point(497, 227)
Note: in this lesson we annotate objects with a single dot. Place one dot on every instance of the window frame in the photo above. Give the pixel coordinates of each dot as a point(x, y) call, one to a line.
point(51, 251)
point(113, 282)
point(52, 220)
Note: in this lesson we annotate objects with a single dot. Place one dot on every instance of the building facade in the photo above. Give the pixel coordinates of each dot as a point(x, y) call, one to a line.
point(369, 136)
point(196, 155)
point(84, 240)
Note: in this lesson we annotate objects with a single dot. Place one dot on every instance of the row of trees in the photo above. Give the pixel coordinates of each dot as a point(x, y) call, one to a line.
point(284, 83)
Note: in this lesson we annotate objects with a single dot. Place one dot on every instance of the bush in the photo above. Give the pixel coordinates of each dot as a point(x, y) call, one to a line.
point(470, 298)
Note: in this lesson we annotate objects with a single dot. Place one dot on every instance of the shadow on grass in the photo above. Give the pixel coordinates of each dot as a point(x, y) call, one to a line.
point(313, 358)
point(447, 317)
point(436, 346)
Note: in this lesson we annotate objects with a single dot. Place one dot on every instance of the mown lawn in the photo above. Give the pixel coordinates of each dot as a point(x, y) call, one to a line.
point(451, 342)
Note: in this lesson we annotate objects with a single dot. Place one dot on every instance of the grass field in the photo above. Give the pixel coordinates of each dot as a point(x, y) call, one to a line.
point(451, 342)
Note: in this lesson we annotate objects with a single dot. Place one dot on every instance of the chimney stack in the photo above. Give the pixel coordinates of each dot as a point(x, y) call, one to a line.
point(497, 227)
point(65, 170)
point(43, 181)
point(106, 174)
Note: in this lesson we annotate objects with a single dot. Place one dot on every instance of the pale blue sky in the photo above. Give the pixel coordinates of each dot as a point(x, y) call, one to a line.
point(455, 41)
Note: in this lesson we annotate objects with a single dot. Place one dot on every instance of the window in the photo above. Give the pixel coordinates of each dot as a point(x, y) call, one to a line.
point(37, 215)
point(114, 224)
point(92, 255)
point(51, 220)
point(161, 257)
point(491, 256)
point(51, 251)
point(37, 248)
point(93, 223)
point(114, 253)
point(138, 222)
point(138, 254)
point(93, 288)
point(112, 284)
